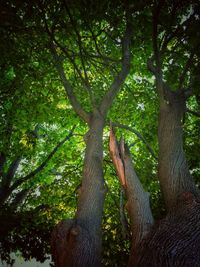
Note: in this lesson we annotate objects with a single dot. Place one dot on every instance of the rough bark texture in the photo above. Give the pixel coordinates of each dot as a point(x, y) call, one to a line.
point(173, 169)
point(138, 202)
point(85, 248)
point(137, 205)
point(175, 241)
point(68, 234)
point(78, 243)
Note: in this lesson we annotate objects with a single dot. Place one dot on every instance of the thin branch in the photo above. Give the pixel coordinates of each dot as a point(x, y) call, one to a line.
point(156, 14)
point(184, 72)
point(68, 88)
point(105, 58)
point(125, 68)
point(177, 32)
point(65, 51)
point(150, 65)
point(7, 179)
point(19, 198)
point(79, 42)
point(119, 125)
point(44, 163)
point(156, 50)
point(2, 162)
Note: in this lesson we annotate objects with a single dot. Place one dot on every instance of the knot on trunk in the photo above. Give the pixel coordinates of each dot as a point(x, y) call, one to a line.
point(72, 245)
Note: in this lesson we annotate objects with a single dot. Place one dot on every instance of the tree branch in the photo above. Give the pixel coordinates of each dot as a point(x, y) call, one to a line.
point(19, 198)
point(115, 124)
point(116, 158)
point(2, 162)
point(156, 50)
point(184, 72)
point(125, 68)
point(68, 88)
point(138, 200)
point(44, 163)
point(151, 66)
point(8, 177)
point(85, 79)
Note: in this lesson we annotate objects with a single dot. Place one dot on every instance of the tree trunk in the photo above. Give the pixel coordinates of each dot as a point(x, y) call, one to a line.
point(175, 241)
point(78, 242)
point(173, 169)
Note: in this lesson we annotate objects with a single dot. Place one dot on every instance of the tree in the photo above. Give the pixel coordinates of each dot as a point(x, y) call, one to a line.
point(91, 48)
point(82, 236)
point(167, 244)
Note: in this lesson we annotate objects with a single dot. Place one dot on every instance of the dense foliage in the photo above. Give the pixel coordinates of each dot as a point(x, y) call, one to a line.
point(42, 139)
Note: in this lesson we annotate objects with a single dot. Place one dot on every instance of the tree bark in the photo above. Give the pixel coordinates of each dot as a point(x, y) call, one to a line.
point(81, 237)
point(175, 240)
point(173, 171)
point(138, 205)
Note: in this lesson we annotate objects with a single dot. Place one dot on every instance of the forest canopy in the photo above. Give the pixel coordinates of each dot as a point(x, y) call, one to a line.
point(76, 76)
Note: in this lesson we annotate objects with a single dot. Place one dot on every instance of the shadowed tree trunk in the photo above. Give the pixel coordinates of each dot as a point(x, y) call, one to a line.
point(175, 240)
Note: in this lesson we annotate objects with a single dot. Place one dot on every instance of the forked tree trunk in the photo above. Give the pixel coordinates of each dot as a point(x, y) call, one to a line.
point(78, 242)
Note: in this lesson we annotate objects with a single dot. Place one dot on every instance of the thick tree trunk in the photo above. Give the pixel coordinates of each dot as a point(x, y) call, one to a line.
point(78, 242)
point(173, 169)
point(175, 241)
